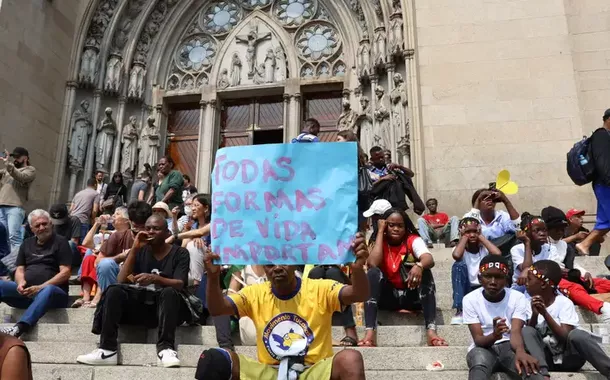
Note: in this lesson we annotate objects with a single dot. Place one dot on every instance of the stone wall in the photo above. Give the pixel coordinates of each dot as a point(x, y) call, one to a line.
point(502, 88)
point(35, 44)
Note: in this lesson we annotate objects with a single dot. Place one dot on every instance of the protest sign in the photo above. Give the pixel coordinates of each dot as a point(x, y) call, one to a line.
point(285, 203)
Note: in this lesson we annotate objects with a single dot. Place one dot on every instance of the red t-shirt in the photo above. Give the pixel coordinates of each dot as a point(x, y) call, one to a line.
point(392, 259)
point(438, 218)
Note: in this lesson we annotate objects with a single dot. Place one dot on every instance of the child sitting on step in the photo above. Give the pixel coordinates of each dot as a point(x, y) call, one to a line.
point(471, 249)
point(552, 335)
point(495, 316)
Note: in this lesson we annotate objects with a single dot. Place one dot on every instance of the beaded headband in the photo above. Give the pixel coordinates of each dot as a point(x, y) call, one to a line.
point(485, 267)
point(533, 221)
point(541, 276)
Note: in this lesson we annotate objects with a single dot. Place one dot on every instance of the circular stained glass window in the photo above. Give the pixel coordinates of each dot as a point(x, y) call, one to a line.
point(318, 41)
point(221, 17)
point(196, 54)
point(295, 12)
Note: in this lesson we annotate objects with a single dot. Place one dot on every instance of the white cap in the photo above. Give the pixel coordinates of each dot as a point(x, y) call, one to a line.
point(379, 207)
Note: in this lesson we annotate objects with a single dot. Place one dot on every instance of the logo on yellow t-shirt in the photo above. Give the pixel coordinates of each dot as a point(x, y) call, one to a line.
point(287, 334)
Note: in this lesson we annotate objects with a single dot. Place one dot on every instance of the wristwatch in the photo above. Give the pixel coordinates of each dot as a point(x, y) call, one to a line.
point(419, 264)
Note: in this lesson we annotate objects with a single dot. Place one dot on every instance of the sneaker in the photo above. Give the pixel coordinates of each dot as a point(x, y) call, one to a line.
point(12, 331)
point(458, 319)
point(605, 313)
point(168, 358)
point(99, 357)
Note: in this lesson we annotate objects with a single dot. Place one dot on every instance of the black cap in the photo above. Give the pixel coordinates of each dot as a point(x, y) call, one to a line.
point(554, 217)
point(606, 115)
point(59, 214)
point(214, 363)
point(20, 152)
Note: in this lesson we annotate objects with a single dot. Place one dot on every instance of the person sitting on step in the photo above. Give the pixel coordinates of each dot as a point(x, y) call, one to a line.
point(471, 249)
point(293, 319)
point(495, 316)
point(41, 279)
point(576, 232)
point(437, 226)
point(400, 276)
point(159, 272)
point(535, 247)
point(15, 360)
point(552, 335)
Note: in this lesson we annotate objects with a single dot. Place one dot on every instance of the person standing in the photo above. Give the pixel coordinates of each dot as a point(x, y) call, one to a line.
point(15, 181)
point(189, 189)
point(100, 185)
point(85, 206)
point(170, 189)
point(115, 195)
point(600, 153)
point(140, 188)
point(310, 132)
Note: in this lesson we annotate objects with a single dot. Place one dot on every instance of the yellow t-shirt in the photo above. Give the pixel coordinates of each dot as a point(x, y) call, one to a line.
point(300, 325)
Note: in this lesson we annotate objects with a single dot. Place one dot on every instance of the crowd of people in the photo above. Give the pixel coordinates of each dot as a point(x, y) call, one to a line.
point(143, 258)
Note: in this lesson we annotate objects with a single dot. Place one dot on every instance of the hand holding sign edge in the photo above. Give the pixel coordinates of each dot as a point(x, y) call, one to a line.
point(209, 258)
point(361, 251)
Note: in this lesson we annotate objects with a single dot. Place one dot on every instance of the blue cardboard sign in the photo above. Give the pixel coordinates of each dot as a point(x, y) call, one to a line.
point(285, 203)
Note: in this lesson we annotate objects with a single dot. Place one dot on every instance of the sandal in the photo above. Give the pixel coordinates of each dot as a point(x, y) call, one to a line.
point(367, 343)
point(348, 341)
point(89, 305)
point(437, 341)
point(78, 303)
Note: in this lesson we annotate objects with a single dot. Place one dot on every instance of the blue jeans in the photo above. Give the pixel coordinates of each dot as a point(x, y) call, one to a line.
point(12, 218)
point(50, 297)
point(460, 283)
point(449, 233)
point(107, 271)
point(84, 230)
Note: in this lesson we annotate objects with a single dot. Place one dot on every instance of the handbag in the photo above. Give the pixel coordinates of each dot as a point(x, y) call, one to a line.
point(113, 201)
point(365, 184)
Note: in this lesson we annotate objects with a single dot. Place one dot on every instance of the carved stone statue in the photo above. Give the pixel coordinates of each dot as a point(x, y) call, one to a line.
point(396, 39)
point(259, 74)
point(149, 144)
point(379, 47)
point(112, 83)
point(364, 123)
point(382, 117)
point(129, 153)
point(364, 58)
point(136, 82)
point(87, 74)
point(347, 119)
point(280, 71)
point(79, 136)
point(104, 142)
point(223, 80)
point(398, 98)
point(252, 39)
point(235, 70)
point(270, 64)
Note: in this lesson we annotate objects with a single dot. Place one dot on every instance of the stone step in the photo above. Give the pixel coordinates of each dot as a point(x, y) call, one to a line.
point(377, 358)
point(81, 372)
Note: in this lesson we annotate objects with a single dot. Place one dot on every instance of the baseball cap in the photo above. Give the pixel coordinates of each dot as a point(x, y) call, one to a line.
point(553, 217)
point(606, 115)
point(20, 152)
point(59, 214)
point(379, 207)
point(574, 211)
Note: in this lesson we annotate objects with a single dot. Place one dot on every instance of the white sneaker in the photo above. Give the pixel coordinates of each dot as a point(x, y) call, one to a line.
point(99, 357)
point(605, 313)
point(168, 358)
point(458, 319)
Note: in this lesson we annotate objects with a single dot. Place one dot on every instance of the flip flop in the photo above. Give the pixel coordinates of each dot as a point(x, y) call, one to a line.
point(408, 312)
point(366, 343)
point(348, 341)
point(78, 303)
point(434, 342)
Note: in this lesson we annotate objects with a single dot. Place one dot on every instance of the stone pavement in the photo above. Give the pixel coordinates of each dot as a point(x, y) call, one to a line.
point(62, 335)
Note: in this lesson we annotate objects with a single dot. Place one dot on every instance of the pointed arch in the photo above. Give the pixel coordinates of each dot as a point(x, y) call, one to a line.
point(79, 42)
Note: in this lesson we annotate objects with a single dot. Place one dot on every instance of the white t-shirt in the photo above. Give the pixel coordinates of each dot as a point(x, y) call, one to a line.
point(562, 250)
point(478, 310)
point(547, 252)
point(473, 261)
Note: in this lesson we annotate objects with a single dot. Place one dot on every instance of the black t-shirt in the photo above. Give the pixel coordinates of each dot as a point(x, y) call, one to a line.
point(42, 261)
point(600, 150)
point(175, 265)
point(70, 229)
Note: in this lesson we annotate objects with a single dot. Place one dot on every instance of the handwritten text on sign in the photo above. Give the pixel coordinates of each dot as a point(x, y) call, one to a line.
point(285, 203)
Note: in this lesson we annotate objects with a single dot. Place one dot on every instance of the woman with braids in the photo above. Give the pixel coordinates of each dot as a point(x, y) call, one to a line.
point(534, 247)
point(471, 249)
point(400, 276)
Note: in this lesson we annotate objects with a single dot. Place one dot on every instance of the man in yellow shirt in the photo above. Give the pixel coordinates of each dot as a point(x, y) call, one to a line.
point(293, 319)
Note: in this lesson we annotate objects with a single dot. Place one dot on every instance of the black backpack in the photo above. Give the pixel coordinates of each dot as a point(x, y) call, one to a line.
point(580, 165)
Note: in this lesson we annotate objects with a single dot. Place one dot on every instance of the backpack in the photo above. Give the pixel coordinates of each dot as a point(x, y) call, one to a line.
point(580, 165)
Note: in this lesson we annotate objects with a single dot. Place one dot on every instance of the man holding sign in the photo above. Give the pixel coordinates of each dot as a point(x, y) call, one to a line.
point(293, 319)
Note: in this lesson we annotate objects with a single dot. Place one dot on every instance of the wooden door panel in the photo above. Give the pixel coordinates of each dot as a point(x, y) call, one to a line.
point(184, 122)
point(184, 153)
point(183, 134)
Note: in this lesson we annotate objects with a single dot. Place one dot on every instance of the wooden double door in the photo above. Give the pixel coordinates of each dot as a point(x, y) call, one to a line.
point(183, 136)
point(252, 122)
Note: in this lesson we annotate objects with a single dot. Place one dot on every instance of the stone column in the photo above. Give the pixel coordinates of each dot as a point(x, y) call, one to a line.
point(207, 146)
point(295, 125)
point(416, 144)
point(203, 104)
point(158, 112)
point(286, 117)
point(61, 155)
point(374, 80)
point(97, 103)
point(116, 155)
point(391, 67)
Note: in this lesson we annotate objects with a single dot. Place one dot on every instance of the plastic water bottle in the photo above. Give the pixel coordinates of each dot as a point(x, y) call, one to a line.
point(583, 160)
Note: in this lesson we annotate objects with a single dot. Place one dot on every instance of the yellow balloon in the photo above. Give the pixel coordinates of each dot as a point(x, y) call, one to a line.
point(504, 183)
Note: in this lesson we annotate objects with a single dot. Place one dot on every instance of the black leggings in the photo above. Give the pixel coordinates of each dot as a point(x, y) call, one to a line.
point(386, 297)
point(332, 272)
